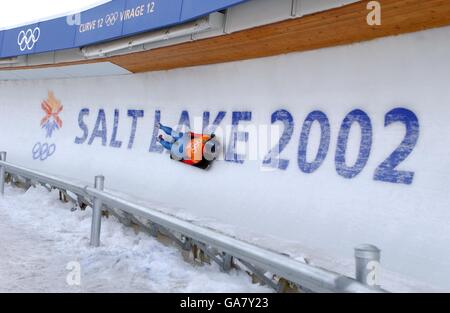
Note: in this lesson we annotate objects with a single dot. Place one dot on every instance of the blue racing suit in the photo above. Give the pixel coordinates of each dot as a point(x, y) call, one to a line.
point(182, 139)
point(169, 131)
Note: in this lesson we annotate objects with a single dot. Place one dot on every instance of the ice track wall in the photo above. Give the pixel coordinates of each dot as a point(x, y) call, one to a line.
point(362, 129)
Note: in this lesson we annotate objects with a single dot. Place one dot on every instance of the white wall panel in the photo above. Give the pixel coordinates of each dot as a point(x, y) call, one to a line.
point(321, 210)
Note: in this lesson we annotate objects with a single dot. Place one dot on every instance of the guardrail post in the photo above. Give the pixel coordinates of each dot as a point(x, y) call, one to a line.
point(97, 213)
point(367, 260)
point(2, 173)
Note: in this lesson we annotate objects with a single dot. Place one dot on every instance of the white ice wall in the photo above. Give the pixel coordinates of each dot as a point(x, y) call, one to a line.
point(323, 210)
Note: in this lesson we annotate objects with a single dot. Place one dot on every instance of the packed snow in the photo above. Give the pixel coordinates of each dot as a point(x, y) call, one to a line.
point(41, 238)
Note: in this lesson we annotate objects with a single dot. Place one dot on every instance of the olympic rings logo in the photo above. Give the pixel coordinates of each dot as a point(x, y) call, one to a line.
point(27, 39)
point(43, 151)
point(111, 19)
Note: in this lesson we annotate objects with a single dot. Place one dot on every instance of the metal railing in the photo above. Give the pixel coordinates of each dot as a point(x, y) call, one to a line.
point(223, 249)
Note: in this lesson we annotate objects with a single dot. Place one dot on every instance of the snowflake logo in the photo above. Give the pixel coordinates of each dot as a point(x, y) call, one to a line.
point(52, 107)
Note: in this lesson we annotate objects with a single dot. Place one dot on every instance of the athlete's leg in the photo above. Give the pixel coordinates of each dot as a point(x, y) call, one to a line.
point(169, 131)
point(166, 129)
point(165, 144)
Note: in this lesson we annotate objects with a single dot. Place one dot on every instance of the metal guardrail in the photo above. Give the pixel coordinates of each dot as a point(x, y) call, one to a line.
point(219, 247)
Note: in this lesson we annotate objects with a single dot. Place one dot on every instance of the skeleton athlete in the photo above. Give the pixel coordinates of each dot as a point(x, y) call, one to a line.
point(187, 147)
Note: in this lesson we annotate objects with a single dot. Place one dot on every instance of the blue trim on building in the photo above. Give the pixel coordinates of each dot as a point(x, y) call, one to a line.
point(112, 20)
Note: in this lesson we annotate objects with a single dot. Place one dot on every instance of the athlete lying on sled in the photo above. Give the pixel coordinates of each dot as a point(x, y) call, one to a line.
point(193, 149)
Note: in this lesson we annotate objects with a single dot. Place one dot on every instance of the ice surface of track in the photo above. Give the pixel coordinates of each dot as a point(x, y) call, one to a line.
point(40, 237)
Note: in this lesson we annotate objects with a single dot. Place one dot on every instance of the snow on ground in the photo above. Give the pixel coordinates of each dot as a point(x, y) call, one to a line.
point(40, 236)
point(389, 280)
